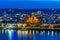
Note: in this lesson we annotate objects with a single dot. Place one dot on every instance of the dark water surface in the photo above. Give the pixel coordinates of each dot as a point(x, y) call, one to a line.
point(29, 35)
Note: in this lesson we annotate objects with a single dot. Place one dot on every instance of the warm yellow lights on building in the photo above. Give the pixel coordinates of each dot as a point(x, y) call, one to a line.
point(35, 20)
point(11, 18)
point(0, 17)
point(32, 20)
point(51, 26)
point(59, 18)
point(1, 20)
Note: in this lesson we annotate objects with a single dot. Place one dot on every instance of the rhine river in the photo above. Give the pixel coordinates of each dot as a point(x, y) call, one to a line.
point(29, 35)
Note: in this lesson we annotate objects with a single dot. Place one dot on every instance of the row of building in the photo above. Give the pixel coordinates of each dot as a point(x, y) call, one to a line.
point(20, 16)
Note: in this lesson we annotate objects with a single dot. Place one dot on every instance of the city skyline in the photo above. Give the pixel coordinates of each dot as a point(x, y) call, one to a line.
point(20, 15)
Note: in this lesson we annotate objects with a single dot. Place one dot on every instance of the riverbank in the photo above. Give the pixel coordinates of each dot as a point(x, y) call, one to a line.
point(33, 28)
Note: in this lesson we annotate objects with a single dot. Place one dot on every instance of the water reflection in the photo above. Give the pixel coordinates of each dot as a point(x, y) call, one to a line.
point(10, 34)
point(29, 35)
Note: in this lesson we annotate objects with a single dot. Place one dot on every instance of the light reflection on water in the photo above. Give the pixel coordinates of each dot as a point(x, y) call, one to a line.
point(29, 35)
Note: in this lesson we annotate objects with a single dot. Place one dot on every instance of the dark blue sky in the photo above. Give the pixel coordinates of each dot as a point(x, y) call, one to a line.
point(30, 4)
point(29, 0)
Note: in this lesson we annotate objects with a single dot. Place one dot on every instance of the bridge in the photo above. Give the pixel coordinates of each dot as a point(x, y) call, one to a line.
point(34, 28)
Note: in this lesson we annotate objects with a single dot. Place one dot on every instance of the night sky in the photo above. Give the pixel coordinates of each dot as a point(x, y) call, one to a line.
point(30, 4)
